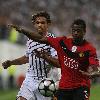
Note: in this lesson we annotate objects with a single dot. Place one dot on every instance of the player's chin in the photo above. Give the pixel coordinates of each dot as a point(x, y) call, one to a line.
point(76, 37)
point(40, 30)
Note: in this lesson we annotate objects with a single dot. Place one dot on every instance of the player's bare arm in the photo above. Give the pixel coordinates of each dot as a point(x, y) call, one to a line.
point(25, 32)
point(93, 71)
point(51, 60)
point(18, 61)
point(32, 35)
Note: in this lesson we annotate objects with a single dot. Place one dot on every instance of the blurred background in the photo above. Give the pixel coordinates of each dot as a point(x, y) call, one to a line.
point(63, 12)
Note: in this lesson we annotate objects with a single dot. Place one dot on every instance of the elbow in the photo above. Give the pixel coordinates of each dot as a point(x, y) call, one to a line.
point(57, 65)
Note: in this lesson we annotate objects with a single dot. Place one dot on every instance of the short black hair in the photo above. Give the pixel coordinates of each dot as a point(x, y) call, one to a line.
point(80, 22)
point(41, 14)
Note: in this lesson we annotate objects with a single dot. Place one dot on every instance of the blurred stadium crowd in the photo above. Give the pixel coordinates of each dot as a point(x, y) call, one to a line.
point(62, 12)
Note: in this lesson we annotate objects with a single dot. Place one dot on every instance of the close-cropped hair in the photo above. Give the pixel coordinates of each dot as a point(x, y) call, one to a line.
point(80, 22)
point(41, 14)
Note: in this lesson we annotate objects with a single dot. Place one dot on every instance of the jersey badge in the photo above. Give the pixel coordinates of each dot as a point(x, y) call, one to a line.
point(81, 54)
point(74, 48)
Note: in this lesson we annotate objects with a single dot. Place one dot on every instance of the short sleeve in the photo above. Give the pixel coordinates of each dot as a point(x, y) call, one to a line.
point(54, 42)
point(93, 59)
point(53, 52)
point(27, 54)
point(27, 50)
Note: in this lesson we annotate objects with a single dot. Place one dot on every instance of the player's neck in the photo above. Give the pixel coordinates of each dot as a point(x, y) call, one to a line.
point(78, 41)
point(43, 33)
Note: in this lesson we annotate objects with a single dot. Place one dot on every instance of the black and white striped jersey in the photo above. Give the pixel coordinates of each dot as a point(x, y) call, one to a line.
point(38, 67)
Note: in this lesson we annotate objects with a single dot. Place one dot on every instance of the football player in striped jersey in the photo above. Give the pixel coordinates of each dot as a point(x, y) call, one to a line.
point(38, 68)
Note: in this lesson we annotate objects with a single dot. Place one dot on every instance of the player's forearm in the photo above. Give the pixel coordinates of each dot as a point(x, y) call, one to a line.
point(19, 61)
point(52, 61)
point(35, 36)
point(93, 71)
point(31, 35)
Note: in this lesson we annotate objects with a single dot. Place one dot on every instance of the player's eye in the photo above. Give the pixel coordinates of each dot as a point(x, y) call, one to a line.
point(42, 22)
point(76, 30)
point(37, 22)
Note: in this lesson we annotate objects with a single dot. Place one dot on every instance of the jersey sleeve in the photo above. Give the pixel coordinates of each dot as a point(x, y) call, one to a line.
point(93, 59)
point(27, 50)
point(53, 52)
point(54, 42)
point(26, 54)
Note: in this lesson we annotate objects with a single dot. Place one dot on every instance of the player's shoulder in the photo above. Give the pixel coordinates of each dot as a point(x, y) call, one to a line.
point(31, 42)
point(90, 45)
point(51, 35)
point(66, 38)
point(28, 40)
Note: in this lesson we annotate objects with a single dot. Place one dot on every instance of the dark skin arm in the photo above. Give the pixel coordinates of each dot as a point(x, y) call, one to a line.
point(92, 72)
point(32, 35)
point(51, 60)
point(37, 37)
point(18, 61)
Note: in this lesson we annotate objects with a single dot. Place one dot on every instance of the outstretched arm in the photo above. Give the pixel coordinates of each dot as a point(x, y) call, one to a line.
point(51, 60)
point(94, 67)
point(34, 36)
point(93, 71)
point(18, 61)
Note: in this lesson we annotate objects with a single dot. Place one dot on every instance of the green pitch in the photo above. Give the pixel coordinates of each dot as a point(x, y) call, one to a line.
point(11, 94)
point(95, 92)
point(8, 95)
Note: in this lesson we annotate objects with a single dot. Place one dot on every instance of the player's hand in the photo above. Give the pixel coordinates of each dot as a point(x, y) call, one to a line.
point(42, 54)
point(92, 74)
point(93, 71)
point(39, 54)
point(16, 27)
point(6, 64)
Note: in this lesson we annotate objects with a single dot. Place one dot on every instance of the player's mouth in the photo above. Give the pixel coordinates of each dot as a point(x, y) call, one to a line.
point(75, 36)
point(40, 29)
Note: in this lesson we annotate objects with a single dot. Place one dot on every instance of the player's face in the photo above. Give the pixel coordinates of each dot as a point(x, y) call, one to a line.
point(77, 32)
point(41, 25)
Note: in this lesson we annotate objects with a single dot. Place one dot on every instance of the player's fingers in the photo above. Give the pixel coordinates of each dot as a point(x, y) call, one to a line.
point(37, 53)
point(84, 73)
point(8, 25)
point(11, 25)
point(4, 66)
point(14, 26)
point(95, 73)
point(4, 63)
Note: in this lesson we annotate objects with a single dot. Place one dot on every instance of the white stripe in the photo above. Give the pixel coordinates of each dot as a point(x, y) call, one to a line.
point(34, 70)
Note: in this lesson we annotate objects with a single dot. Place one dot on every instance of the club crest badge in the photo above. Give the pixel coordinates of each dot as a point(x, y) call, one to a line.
point(74, 48)
point(81, 54)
